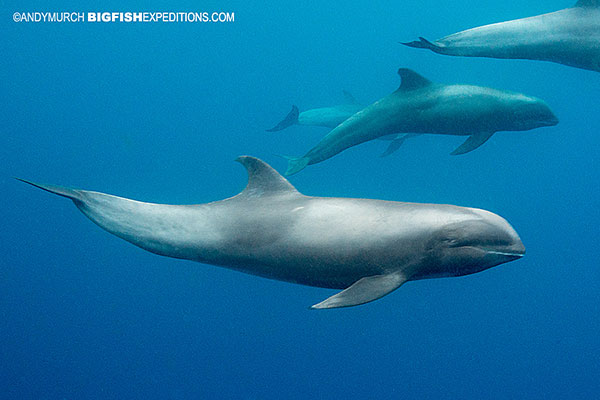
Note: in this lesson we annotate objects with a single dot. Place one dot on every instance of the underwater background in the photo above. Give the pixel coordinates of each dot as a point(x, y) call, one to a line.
point(158, 112)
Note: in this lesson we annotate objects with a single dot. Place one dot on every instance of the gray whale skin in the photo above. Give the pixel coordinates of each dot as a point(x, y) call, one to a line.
point(569, 37)
point(420, 106)
point(330, 117)
point(366, 247)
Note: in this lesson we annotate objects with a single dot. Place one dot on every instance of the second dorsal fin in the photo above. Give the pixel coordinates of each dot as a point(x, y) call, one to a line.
point(349, 98)
point(263, 180)
point(411, 80)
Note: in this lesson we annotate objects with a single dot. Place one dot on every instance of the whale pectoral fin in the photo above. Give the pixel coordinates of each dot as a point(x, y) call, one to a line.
point(393, 146)
point(473, 142)
point(397, 143)
point(363, 291)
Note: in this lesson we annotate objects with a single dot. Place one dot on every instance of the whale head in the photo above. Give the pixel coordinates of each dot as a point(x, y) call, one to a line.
point(529, 113)
point(481, 241)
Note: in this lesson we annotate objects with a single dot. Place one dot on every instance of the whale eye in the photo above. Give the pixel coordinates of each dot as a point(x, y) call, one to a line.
point(454, 242)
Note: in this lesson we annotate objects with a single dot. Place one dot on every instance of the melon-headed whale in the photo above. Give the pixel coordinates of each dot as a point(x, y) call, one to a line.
point(421, 106)
point(368, 248)
point(570, 37)
point(328, 117)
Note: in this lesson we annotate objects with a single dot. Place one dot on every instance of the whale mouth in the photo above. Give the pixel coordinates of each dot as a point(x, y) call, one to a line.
point(549, 122)
point(508, 253)
point(505, 253)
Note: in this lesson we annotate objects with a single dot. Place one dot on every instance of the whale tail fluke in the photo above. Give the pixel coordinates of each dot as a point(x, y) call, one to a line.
point(289, 120)
point(72, 194)
point(423, 43)
point(296, 164)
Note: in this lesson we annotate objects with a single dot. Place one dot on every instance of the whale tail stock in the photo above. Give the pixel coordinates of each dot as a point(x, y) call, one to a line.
point(131, 220)
point(295, 164)
point(289, 120)
point(423, 43)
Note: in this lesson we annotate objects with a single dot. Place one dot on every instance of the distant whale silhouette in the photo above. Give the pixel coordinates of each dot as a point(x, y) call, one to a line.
point(328, 117)
point(420, 106)
point(366, 247)
point(570, 37)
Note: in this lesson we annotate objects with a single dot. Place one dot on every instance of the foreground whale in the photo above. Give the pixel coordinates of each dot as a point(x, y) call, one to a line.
point(366, 247)
point(570, 37)
point(421, 106)
point(328, 117)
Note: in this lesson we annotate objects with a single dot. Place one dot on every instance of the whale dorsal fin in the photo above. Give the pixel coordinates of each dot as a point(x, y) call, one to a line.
point(411, 80)
point(348, 98)
point(263, 179)
point(588, 3)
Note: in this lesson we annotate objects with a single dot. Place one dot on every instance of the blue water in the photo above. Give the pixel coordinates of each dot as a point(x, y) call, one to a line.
point(158, 112)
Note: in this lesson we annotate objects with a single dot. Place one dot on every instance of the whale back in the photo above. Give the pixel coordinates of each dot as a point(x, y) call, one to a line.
point(179, 231)
point(570, 36)
point(588, 3)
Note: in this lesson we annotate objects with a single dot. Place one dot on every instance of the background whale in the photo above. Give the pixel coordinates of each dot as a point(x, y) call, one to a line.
point(366, 247)
point(421, 106)
point(328, 117)
point(570, 37)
